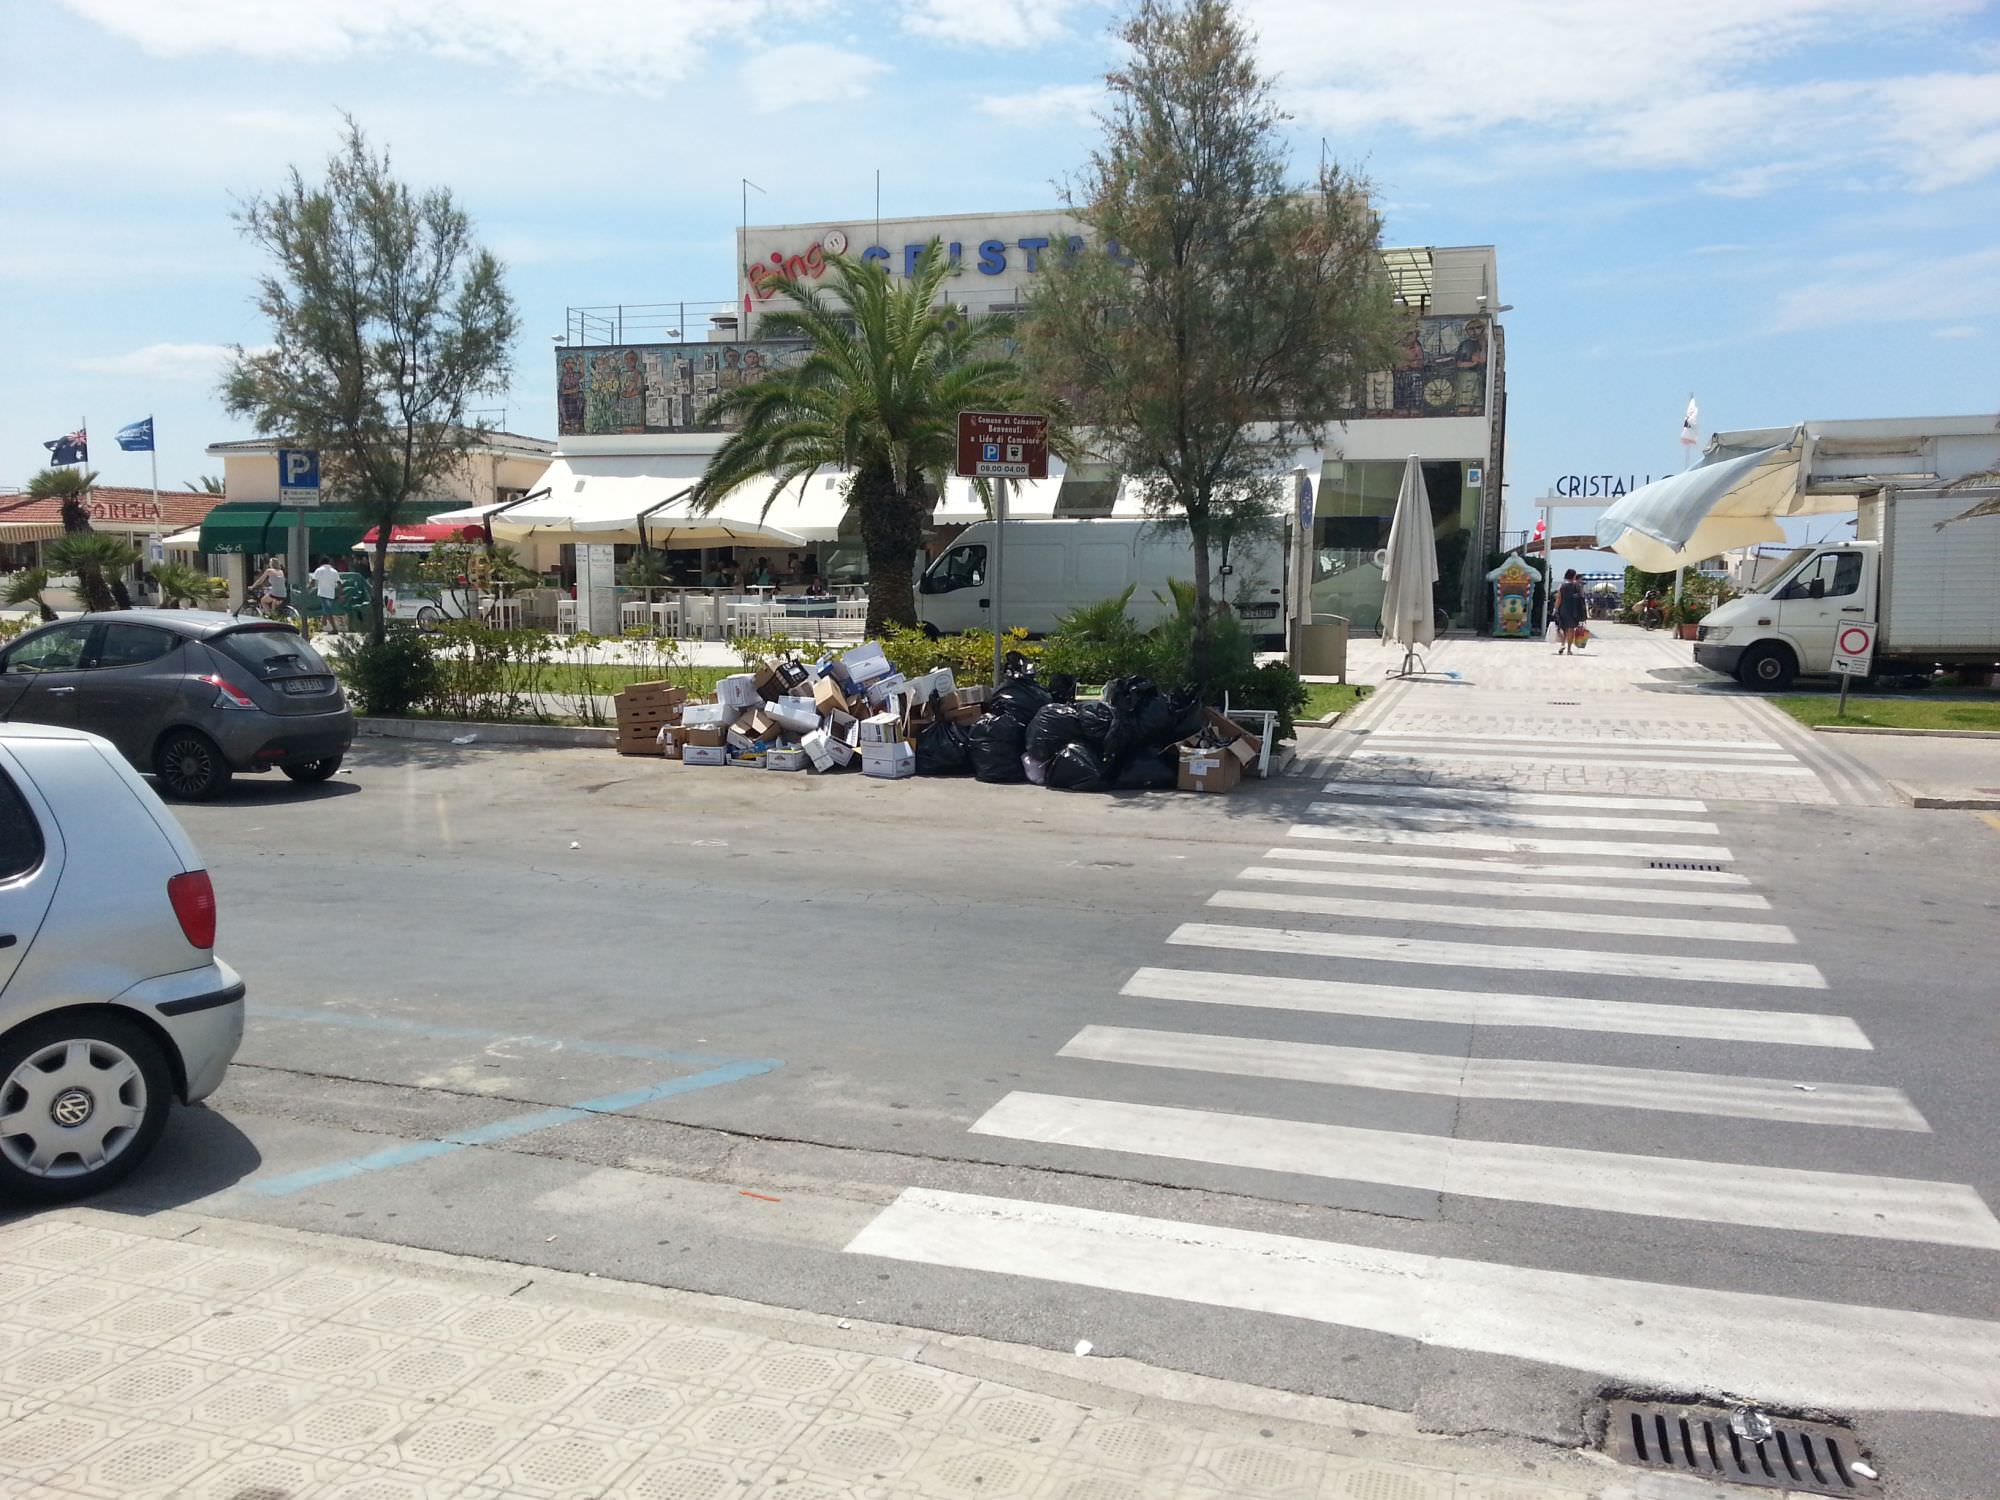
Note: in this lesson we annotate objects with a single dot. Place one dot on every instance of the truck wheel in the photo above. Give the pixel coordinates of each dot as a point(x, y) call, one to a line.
point(930, 631)
point(1767, 668)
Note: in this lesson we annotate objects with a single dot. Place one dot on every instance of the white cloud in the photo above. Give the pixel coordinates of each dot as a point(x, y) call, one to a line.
point(801, 73)
point(989, 24)
point(193, 362)
point(1905, 291)
point(1956, 331)
point(636, 44)
point(1051, 104)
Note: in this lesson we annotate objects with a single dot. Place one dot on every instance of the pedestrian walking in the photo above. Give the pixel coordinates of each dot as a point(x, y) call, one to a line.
point(1571, 611)
point(326, 591)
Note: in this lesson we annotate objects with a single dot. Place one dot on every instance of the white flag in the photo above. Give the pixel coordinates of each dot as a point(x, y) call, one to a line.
point(1691, 424)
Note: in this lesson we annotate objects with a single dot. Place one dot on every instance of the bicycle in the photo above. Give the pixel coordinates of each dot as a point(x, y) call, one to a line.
point(284, 612)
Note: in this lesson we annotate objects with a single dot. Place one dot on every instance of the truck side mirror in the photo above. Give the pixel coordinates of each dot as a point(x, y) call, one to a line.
point(1818, 589)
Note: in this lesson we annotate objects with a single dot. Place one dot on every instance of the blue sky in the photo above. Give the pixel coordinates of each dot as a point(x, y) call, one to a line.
point(1788, 207)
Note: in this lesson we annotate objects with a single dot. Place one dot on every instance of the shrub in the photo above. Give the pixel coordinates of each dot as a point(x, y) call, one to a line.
point(968, 655)
point(1098, 642)
point(391, 678)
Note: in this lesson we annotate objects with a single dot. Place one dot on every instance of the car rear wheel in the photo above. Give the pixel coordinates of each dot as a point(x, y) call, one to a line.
point(313, 770)
point(189, 766)
point(81, 1104)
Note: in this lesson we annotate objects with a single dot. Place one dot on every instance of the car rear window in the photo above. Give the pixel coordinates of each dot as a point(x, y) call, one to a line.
point(20, 833)
point(273, 652)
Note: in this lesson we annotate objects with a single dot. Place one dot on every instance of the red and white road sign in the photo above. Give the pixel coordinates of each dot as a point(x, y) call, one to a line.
point(1002, 445)
point(1854, 648)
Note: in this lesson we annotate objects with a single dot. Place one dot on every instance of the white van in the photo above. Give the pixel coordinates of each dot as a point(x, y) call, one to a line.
point(1053, 567)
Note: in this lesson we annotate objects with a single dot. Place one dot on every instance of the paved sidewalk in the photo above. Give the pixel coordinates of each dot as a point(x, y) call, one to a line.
point(1940, 771)
point(185, 1356)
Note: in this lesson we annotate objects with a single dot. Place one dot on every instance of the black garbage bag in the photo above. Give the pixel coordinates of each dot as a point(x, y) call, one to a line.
point(1142, 719)
point(943, 749)
point(1076, 768)
point(1185, 717)
point(1062, 724)
point(1149, 771)
point(1020, 698)
point(997, 741)
point(1062, 687)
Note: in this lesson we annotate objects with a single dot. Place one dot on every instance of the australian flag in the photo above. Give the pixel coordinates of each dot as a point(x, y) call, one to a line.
point(73, 449)
point(137, 437)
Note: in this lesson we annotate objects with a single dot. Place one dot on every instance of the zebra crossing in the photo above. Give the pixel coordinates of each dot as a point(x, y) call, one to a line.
point(1383, 879)
point(1412, 750)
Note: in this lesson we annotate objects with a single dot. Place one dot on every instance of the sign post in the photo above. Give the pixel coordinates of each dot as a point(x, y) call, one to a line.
point(1853, 654)
point(1001, 445)
point(298, 487)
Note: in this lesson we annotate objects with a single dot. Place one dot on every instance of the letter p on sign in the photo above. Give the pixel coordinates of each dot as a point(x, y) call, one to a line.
point(298, 472)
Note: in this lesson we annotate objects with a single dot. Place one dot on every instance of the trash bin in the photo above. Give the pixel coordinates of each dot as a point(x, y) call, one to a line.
point(1323, 647)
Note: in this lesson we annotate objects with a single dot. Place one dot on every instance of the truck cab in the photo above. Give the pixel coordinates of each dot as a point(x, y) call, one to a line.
point(1786, 629)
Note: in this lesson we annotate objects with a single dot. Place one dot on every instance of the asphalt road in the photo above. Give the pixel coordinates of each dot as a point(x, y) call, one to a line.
point(705, 1028)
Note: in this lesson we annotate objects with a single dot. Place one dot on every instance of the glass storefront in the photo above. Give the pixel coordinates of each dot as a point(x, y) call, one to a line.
point(1352, 512)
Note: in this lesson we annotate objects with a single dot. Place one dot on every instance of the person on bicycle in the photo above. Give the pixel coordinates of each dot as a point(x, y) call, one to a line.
point(272, 590)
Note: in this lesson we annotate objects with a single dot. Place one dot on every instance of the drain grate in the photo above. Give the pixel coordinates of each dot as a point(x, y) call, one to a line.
point(1565, 703)
point(1807, 1458)
point(1682, 864)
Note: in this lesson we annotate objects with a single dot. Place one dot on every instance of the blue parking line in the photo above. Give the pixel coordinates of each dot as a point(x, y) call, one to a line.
point(510, 1128)
point(353, 1022)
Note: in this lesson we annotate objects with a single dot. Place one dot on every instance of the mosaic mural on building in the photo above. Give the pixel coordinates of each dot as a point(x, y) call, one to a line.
point(1442, 373)
point(657, 387)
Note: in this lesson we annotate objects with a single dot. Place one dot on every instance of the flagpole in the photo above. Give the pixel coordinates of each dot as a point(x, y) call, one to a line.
point(153, 452)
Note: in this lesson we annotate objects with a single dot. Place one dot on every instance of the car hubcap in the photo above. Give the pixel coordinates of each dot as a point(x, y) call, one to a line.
point(71, 1108)
point(188, 766)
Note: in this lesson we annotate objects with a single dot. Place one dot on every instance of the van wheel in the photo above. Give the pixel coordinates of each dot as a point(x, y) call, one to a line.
point(931, 632)
point(1767, 668)
point(189, 766)
point(84, 1100)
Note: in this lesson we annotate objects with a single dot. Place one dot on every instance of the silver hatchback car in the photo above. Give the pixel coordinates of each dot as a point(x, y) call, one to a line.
point(112, 1001)
point(189, 695)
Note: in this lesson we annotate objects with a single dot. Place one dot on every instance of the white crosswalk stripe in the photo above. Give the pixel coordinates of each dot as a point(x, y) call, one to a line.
point(1887, 1208)
point(1507, 817)
point(1342, 997)
point(1669, 1090)
point(1544, 889)
point(1644, 762)
point(1694, 968)
point(1555, 923)
point(1505, 843)
point(1486, 865)
point(1621, 743)
point(1789, 1350)
point(1395, 791)
point(1607, 750)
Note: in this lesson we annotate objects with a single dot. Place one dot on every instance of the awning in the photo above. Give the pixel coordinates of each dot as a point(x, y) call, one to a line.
point(1723, 503)
point(420, 537)
point(184, 541)
point(30, 531)
point(258, 526)
point(1027, 500)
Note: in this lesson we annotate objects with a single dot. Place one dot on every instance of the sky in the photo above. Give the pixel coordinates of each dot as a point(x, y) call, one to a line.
point(1789, 209)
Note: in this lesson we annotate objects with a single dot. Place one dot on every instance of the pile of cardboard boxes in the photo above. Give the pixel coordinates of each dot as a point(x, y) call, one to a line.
point(791, 716)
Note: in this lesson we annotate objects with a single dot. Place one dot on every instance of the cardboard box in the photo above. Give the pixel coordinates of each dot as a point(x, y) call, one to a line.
point(888, 762)
point(882, 729)
point(794, 713)
point(738, 691)
point(827, 696)
point(826, 752)
point(1208, 770)
point(930, 685)
point(748, 760)
point(962, 697)
point(882, 689)
point(707, 715)
point(785, 758)
point(701, 737)
point(664, 694)
point(965, 713)
point(703, 755)
point(640, 744)
point(865, 664)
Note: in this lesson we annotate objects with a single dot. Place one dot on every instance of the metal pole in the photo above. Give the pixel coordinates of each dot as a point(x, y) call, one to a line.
point(999, 531)
point(1841, 712)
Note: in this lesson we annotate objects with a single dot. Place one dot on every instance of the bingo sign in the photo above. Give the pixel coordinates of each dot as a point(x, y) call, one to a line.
point(1854, 648)
point(1002, 445)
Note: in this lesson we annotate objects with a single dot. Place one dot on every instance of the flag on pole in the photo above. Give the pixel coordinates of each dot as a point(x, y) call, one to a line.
point(73, 448)
point(137, 437)
point(1691, 424)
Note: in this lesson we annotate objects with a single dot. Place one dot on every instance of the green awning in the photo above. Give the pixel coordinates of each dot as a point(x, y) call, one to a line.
point(257, 526)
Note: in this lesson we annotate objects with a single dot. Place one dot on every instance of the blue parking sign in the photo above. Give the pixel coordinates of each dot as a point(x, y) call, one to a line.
point(989, 453)
point(298, 469)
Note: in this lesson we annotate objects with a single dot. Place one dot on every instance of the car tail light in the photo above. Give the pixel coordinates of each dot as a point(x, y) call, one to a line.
point(193, 898)
point(227, 694)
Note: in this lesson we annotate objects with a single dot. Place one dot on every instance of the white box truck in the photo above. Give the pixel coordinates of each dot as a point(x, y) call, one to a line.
point(1931, 589)
point(1052, 567)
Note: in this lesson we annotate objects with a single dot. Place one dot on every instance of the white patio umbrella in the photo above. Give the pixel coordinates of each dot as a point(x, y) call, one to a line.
point(1409, 569)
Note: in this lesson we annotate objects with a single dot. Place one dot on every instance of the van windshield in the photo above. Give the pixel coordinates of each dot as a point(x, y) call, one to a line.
point(1794, 560)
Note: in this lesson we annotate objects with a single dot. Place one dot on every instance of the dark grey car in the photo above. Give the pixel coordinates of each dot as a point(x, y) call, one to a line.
point(188, 695)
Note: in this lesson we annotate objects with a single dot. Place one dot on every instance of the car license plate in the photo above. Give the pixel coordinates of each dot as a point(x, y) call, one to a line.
point(303, 685)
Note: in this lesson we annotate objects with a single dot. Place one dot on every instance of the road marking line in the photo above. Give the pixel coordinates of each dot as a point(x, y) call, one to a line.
point(1396, 791)
point(1487, 866)
point(1561, 923)
point(1545, 889)
point(1544, 759)
point(1495, 956)
point(1789, 1350)
point(352, 1021)
point(1500, 843)
point(1609, 750)
point(1658, 1187)
point(508, 1129)
point(1457, 737)
point(1665, 1089)
point(1506, 817)
point(1340, 997)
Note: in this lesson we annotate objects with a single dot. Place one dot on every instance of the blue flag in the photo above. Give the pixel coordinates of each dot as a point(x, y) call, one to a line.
point(72, 448)
point(137, 438)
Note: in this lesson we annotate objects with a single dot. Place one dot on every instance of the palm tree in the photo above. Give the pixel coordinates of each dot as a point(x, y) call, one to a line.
point(27, 587)
point(887, 370)
point(69, 485)
point(183, 586)
point(210, 484)
point(99, 562)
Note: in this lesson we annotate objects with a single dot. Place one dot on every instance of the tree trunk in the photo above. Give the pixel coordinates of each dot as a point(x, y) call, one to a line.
point(74, 517)
point(97, 597)
point(1200, 648)
point(378, 569)
point(120, 595)
point(891, 533)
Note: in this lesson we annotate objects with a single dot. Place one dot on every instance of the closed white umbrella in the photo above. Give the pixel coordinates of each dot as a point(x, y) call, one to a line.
point(1410, 569)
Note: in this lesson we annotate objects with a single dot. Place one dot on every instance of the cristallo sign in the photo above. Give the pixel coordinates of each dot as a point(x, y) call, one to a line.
point(1601, 486)
point(992, 256)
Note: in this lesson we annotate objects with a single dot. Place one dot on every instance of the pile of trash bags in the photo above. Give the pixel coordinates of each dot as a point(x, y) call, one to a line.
point(1126, 740)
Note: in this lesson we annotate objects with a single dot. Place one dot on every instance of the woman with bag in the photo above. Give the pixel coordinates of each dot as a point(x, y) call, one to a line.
point(1571, 609)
